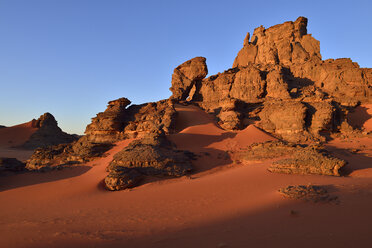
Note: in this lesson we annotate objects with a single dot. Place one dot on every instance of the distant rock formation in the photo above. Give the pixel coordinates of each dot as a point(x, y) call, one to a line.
point(279, 79)
point(1, 126)
point(47, 134)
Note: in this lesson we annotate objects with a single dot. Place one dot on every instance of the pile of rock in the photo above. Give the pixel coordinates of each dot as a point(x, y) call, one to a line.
point(309, 193)
point(152, 155)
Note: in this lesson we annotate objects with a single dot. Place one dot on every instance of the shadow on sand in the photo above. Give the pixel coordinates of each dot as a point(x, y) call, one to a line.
point(13, 180)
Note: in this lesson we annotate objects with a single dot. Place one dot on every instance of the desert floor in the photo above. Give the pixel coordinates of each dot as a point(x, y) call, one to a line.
point(222, 204)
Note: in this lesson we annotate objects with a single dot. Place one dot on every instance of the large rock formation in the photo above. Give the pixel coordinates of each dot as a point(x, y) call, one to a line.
point(279, 78)
point(117, 122)
point(47, 134)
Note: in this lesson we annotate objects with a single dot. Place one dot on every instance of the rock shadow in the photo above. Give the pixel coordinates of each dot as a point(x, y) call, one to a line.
point(11, 180)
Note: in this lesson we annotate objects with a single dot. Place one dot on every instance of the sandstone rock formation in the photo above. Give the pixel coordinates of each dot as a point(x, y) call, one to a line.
point(310, 193)
point(120, 122)
point(47, 134)
point(116, 123)
point(280, 79)
point(186, 75)
point(151, 155)
point(309, 161)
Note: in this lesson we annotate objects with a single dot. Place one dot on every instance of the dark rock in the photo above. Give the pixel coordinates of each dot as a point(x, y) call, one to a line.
point(310, 193)
point(119, 180)
point(152, 155)
point(11, 164)
point(47, 134)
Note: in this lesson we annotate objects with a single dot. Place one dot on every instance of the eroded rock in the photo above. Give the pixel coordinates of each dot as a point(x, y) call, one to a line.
point(47, 134)
point(119, 180)
point(310, 193)
point(309, 161)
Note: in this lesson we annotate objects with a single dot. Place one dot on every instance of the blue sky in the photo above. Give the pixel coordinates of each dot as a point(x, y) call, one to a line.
point(70, 57)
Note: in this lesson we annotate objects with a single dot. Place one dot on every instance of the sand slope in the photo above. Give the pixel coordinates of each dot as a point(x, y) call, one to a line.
point(221, 205)
point(16, 135)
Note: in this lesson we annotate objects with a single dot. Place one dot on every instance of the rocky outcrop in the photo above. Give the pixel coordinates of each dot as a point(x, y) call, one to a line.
point(11, 164)
point(119, 180)
point(186, 75)
point(309, 161)
point(120, 122)
point(151, 155)
point(280, 79)
point(54, 157)
point(47, 134)
point(1, 126)
point(309, 193)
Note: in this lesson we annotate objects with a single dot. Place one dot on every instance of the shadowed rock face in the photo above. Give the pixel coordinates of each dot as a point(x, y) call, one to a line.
point(47, 134)
point(310, 193)
point(151, 155)
point(279, 77)
point(11, 164)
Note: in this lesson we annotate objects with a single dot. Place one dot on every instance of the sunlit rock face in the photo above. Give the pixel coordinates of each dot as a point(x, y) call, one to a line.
point(280, 82)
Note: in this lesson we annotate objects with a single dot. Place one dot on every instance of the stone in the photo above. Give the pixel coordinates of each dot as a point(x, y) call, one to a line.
point(309, 161)
point(47, 134)
point(152, 155)
point(285, 119)
point(120, 122)
point(11, 164)
point(186, 75)
point(310, 193)
point(119, 180)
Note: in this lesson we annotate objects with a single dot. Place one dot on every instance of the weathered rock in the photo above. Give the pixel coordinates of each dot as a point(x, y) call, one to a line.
point(280, 63)
point(11, 164)
point(310, 193)
point(120, 122)
point(186, 75)
point(1, 126)
point(265, 150)
point(47, 134)
point(119, 180)
point(309, 161)
point(152, 155)
point(284, 44)
point(285, 119)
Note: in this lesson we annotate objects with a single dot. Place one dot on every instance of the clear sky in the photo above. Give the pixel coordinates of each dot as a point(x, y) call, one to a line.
point(70, 57)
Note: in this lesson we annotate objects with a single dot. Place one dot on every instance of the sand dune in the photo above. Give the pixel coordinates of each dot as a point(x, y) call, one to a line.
point(221, 205)
point(16, 135)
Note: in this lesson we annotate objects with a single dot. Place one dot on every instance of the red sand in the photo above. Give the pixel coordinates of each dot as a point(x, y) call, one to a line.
point(234, 206)
point(16, 135)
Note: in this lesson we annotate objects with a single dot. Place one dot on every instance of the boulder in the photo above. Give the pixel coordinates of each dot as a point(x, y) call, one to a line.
point(186, 75)
point(119, 180)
